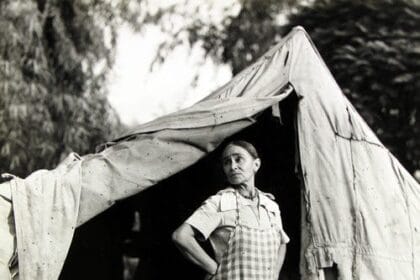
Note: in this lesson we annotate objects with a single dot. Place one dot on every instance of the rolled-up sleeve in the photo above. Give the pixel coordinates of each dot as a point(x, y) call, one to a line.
point(277, 218)
point(284, 237)
point(207, 217)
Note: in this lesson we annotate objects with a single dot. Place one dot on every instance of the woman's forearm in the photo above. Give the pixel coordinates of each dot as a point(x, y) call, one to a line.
point(186, 242)
point(282, 254)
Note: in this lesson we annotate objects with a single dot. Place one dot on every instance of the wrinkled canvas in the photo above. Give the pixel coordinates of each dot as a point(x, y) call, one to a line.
point(361, 206)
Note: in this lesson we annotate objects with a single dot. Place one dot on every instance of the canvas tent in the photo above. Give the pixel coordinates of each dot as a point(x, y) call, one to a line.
point(360, 207)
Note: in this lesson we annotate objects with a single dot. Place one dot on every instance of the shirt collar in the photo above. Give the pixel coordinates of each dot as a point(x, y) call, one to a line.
point(228, 200)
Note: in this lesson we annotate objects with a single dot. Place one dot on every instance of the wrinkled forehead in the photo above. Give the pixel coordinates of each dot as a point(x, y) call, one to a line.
point(234, 151)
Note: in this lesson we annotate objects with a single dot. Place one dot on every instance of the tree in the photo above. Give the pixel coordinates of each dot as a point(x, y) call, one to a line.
point(54, 60)
point(371, 47)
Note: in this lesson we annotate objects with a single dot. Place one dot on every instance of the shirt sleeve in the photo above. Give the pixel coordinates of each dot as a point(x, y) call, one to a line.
point(284, 237)
point(207, 217)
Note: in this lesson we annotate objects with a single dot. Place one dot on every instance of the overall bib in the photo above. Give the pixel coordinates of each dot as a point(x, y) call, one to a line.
point(251, 253)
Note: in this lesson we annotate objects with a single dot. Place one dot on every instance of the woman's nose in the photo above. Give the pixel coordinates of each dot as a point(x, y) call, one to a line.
point(233, 165)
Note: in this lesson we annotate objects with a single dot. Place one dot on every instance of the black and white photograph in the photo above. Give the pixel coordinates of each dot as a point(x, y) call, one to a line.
point(210, 139)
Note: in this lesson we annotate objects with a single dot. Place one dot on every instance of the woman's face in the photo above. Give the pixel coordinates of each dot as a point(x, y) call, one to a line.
point(239, 166)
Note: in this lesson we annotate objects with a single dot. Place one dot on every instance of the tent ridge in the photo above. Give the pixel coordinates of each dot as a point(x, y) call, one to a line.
point(224, 91)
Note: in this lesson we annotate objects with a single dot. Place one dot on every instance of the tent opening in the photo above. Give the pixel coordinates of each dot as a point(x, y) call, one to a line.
point(164, 207)
point(99, 244)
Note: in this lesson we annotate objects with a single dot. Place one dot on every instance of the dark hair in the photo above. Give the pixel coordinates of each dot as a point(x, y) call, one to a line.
point(245, 145)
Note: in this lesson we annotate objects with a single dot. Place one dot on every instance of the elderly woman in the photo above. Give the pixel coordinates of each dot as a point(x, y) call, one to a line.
point(243, 224)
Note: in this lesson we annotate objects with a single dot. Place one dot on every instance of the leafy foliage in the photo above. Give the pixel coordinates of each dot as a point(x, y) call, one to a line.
point(372, 48)
point(54, 59)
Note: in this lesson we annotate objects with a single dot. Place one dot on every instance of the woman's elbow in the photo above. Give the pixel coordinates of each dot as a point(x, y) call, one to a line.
point(176, 236)
point(180, 236)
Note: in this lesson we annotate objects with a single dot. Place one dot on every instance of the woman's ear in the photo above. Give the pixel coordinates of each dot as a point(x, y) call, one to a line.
point(257, 164)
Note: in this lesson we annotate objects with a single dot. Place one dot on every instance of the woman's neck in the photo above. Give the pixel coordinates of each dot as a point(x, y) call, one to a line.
point(246, 189)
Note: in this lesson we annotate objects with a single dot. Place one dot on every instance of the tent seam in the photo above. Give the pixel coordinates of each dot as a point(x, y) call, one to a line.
point(356, 201)
point(308, 253)
point(351, 138)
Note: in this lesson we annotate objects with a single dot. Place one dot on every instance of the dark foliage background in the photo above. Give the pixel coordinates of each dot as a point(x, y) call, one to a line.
point(54, 59)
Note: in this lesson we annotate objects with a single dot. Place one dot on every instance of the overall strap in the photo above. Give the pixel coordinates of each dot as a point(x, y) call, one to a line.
point(237, 209)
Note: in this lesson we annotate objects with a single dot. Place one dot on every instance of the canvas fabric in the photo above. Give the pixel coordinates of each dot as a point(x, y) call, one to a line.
point(251, 253)
point(44, 234)
point(360, 207)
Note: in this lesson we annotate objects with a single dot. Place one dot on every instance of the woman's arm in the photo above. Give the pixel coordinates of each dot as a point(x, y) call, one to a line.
point(282, 254)
point(185, 240)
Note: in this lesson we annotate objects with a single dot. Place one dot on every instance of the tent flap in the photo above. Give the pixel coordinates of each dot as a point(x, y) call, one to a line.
point(46, 206)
